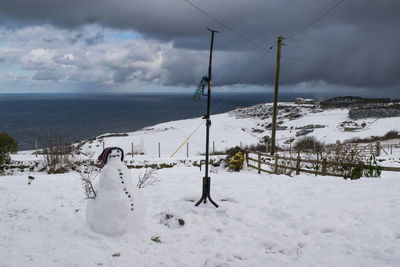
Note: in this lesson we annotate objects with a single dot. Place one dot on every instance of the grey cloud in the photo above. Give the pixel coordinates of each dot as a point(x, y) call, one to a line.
point(99, 38)
point(46, 75)
point(358, 33)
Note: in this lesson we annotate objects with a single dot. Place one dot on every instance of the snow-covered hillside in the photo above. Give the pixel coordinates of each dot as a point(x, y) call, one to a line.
point(244, 126)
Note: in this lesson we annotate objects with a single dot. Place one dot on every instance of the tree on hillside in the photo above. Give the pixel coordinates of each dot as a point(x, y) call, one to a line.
point(7, 144)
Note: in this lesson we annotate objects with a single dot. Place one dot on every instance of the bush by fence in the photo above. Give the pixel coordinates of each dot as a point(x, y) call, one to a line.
point(336, 161)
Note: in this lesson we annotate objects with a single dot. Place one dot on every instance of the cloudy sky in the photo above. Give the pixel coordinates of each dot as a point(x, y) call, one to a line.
point(127, 45)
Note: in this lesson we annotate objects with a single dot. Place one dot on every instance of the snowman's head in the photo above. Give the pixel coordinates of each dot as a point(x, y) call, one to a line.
point(111, 154)
point(114, 154)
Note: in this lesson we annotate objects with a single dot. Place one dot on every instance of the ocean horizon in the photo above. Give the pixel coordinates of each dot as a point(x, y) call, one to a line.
point(77, 117)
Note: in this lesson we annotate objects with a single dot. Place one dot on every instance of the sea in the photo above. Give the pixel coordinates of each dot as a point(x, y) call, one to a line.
point(76, 117)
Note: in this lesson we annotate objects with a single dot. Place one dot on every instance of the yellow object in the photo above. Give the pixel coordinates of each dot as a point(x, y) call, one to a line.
point(186, 140)
point(236, 162)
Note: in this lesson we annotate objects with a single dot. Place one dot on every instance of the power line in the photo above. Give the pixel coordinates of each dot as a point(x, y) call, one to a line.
point(341, 65)
point(225, 26)
point(325, 13)
point(316, 19)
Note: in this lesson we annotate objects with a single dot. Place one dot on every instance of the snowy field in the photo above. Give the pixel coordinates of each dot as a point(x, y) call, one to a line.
point(263, 220)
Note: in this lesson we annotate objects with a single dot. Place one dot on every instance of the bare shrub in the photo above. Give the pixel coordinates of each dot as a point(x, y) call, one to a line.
point(147, 179)
point(391, 135)
point(308, 143)
point(56, 154)
point(256, 148)
point(346, 161)
point(88, 174)
point(349, 162)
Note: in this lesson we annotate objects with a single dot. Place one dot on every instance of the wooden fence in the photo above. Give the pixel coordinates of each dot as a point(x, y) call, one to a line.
point(281, 164)
point(376, 148)
point(365, 149)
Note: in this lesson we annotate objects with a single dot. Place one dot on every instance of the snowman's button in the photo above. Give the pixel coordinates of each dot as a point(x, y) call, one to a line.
point(132, 209)
point(120, 173)
point(122, 182)
point(129, 195)
point(132, 204)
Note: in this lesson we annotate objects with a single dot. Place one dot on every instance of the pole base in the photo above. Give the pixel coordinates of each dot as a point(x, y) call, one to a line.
point(206, 193)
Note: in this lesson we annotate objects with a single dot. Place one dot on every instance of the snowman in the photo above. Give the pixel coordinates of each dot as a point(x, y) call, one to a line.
point(119, 205)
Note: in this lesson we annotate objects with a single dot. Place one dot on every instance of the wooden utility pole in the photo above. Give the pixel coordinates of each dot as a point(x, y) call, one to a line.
point(278, 61)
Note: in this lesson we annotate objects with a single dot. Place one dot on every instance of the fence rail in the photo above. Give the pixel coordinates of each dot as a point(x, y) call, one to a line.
point(319, 167)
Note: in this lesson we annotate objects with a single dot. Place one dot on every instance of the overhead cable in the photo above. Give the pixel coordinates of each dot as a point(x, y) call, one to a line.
point(226, 26)
point(316, 19)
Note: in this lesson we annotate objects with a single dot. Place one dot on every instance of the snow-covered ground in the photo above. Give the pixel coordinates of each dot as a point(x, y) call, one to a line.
point(263, 220)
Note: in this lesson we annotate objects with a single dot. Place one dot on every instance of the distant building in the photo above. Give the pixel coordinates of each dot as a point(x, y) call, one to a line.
point(350, 126)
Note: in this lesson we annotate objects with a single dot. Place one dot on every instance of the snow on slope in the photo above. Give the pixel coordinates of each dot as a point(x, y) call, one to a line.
point(226, 131)
point(246, 128)
point(263, 220)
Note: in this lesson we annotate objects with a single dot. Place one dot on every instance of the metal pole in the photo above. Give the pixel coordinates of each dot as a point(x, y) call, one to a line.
point(278, 59)
point(206, 179)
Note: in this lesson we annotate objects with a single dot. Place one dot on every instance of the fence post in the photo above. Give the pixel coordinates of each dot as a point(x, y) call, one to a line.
point(378, 148)
point(267, 147)
point(36, 148)
point(132, 149)
point(159, 150)
point(276, 164)
point(247, 157)
point(337, 148)
point(323, 171)
point(259, 162)
point(391, 149)
point(298, 164)
point(317, 165)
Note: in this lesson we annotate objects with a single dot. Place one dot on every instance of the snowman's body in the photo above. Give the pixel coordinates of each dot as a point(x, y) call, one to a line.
point(118, 206)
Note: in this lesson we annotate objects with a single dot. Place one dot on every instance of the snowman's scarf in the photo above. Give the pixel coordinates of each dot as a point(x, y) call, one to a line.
point(104, 155)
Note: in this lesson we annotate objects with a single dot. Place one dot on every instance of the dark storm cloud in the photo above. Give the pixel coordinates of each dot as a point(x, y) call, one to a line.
point(358, 33)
